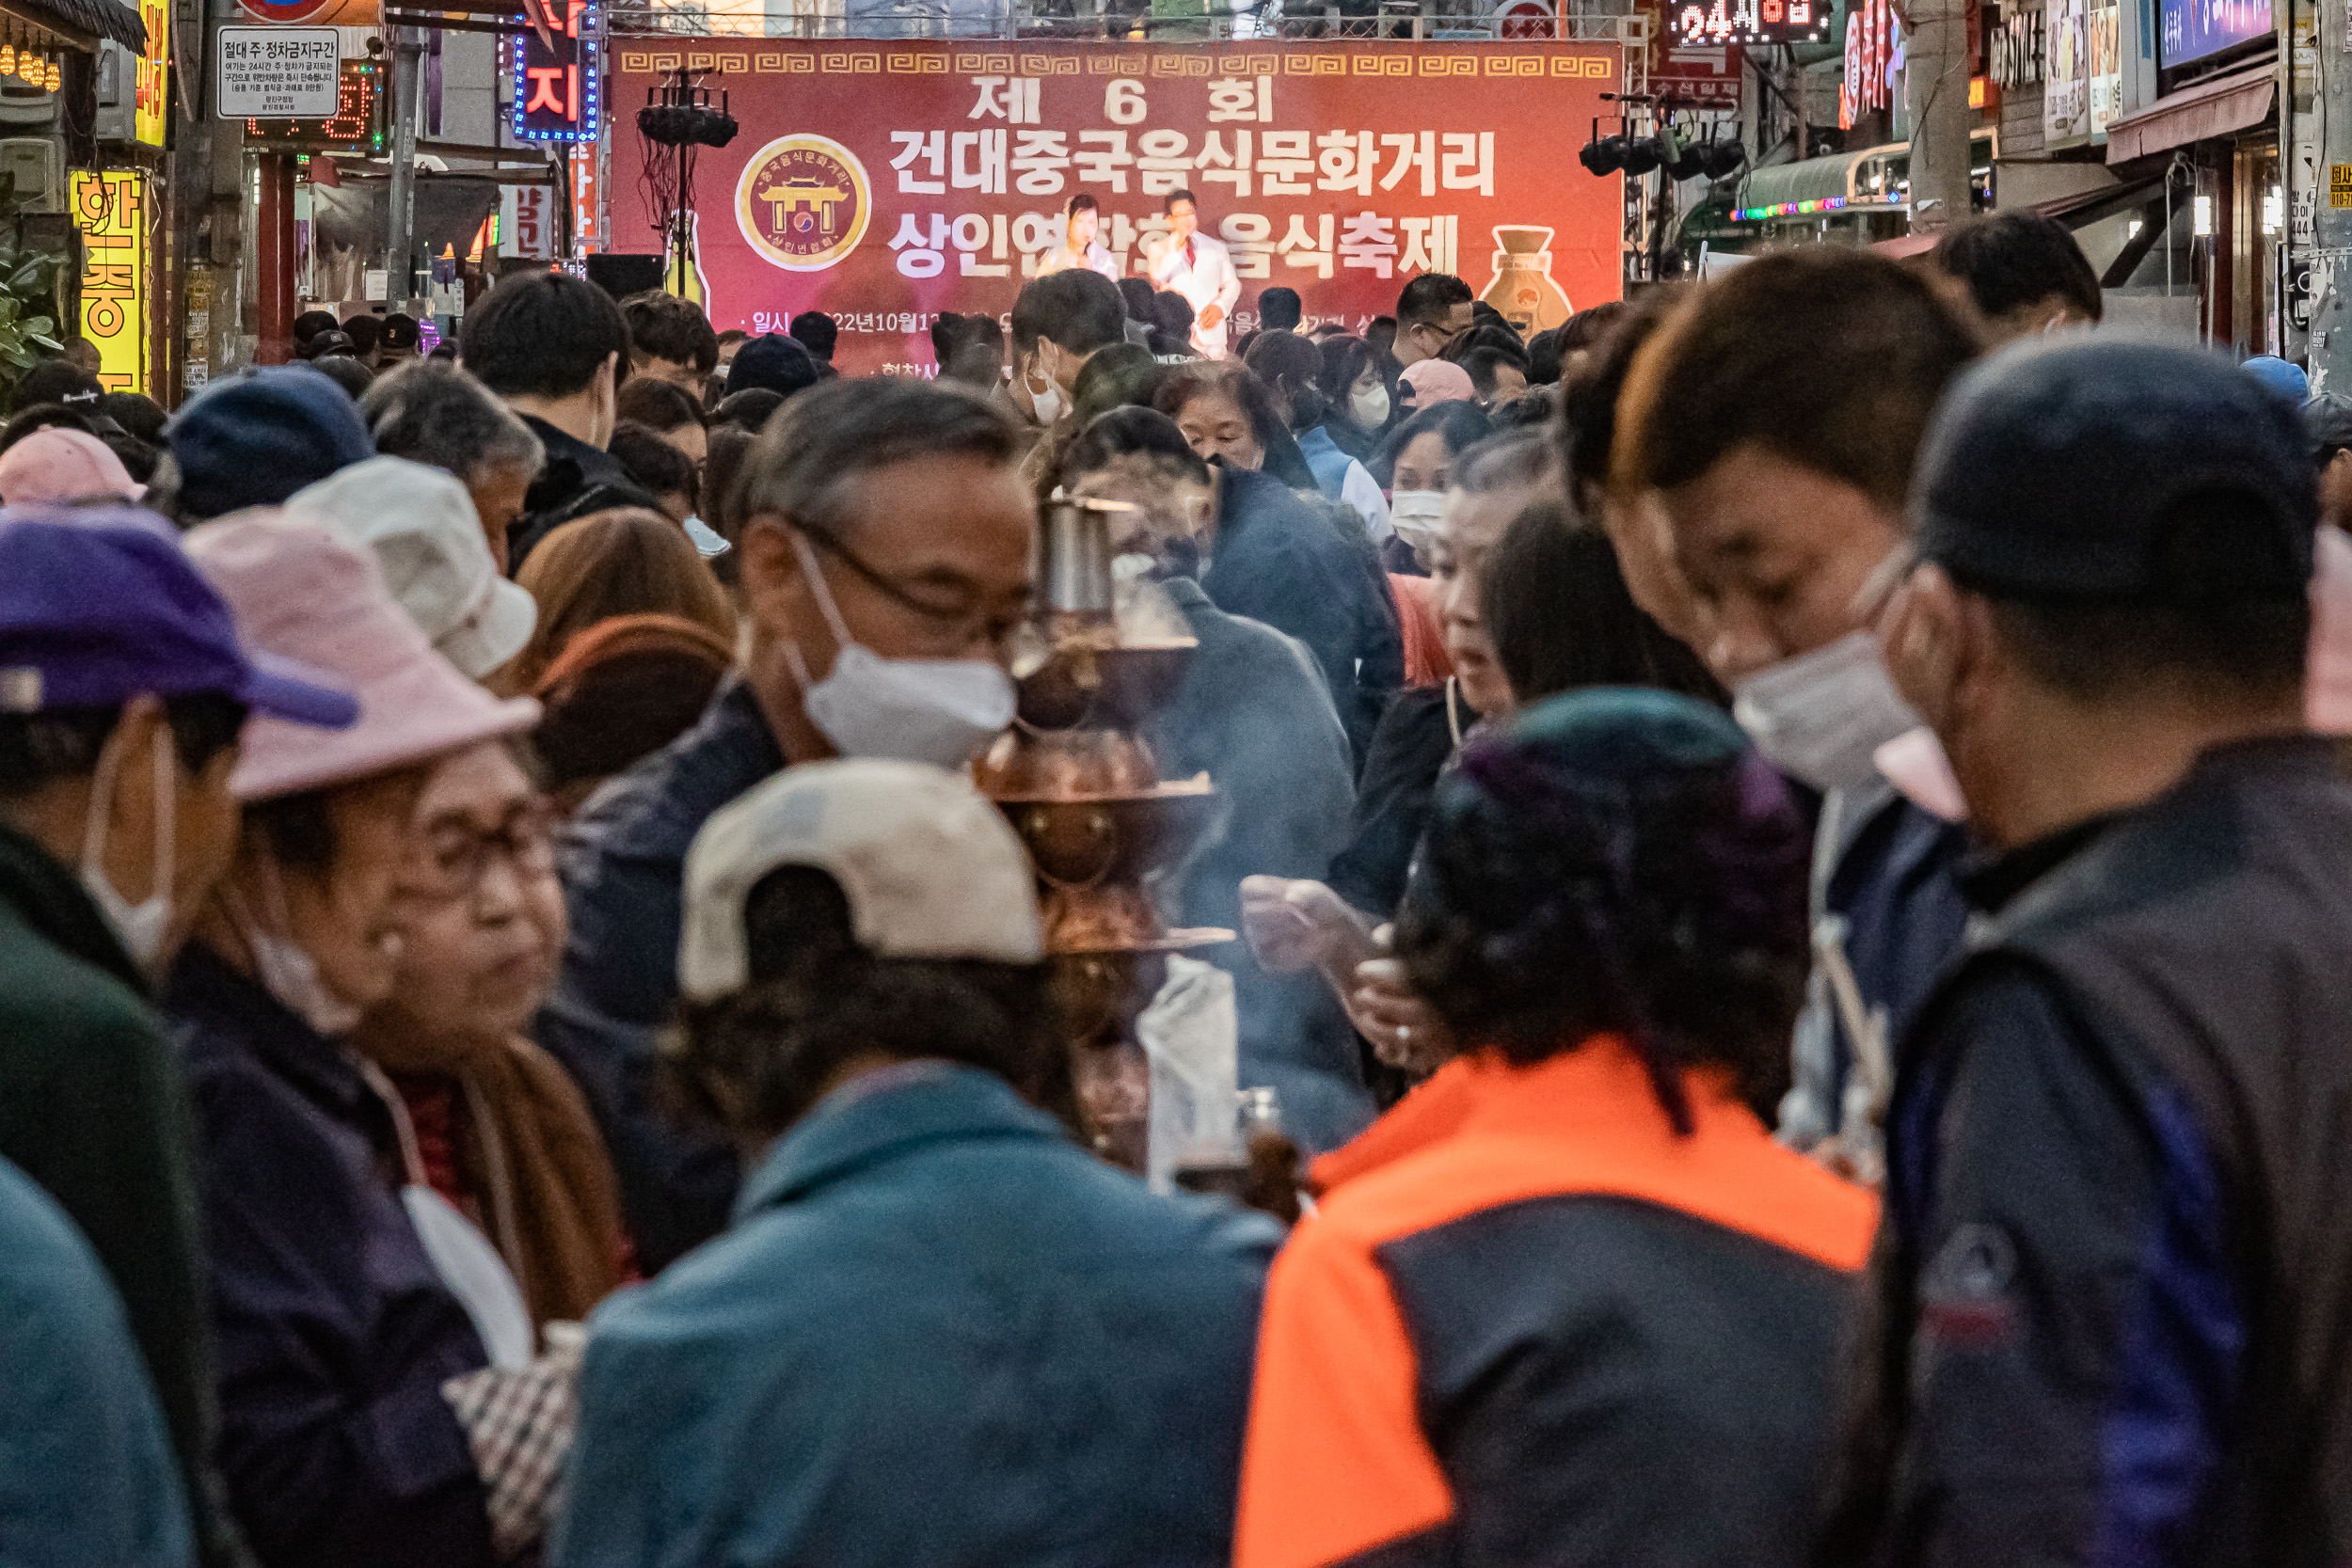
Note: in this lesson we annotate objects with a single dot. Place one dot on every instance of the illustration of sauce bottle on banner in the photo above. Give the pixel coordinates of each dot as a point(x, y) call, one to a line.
point(1523, 290)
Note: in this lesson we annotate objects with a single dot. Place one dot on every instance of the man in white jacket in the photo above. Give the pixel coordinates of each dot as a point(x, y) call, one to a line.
point(1198, 268)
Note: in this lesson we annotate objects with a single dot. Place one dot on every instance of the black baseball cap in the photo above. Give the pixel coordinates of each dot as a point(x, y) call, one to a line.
point(2117, 469)
point(2328, 421)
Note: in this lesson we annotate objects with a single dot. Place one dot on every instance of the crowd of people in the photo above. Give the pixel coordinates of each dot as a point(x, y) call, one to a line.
point(1792, 876)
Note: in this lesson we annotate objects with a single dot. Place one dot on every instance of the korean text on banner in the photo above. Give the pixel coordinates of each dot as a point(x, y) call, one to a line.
point(110, 209)
point(277, 73)
point(887, 183)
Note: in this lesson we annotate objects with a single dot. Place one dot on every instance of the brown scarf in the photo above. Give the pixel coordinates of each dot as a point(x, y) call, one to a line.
point(548, 1197)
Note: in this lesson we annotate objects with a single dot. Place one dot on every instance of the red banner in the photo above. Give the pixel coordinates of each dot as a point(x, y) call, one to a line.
point(885, 182)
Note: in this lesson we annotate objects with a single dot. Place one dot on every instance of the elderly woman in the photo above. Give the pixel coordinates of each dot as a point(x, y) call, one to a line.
point(342, 1301)
point(429, 411)
point(1228, 413)
point(1574, 1270)
point(503, 1133)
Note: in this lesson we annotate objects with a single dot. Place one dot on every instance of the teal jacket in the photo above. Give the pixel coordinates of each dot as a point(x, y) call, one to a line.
point(87, 1476)
point(94, 1109)
point(937, 1333)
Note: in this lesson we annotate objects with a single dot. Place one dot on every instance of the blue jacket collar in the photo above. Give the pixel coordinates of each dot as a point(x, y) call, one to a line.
point(880, 1116)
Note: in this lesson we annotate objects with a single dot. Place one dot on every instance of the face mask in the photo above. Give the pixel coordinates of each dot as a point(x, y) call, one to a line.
point(934, 710)
point(140, 927)
point(1417, 515)
point(1819, 716)
point(1371, 408)
point(470, 1267)
point(285, 969)
point(1046, 404)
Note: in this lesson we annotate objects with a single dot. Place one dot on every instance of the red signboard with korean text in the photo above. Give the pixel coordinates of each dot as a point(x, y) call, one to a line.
point(887, 182)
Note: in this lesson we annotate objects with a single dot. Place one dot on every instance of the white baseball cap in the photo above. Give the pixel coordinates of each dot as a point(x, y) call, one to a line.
point(931, 869)
point(428, 540)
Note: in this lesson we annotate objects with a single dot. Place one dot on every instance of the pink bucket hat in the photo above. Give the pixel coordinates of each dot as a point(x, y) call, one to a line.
point(1435, 381)
point(59, 465)
point(301, 593)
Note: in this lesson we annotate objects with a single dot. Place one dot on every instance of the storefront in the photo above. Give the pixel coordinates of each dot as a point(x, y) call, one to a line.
point(82, 115)
point(2210, 138)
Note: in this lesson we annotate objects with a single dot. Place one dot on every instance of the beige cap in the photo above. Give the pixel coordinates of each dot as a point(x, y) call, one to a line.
point(930, 867)
point(429, 545)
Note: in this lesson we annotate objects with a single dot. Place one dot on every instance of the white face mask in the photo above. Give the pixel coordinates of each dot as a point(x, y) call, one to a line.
point(1819, 716)
point(933, 710)
point(1046, 406)
point(140, 927)
point(1371, 408)
point(469, 1265)
point(1417, 515)
point(286, 968)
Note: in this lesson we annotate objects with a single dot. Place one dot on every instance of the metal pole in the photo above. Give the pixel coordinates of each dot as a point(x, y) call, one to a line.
point(400, 242)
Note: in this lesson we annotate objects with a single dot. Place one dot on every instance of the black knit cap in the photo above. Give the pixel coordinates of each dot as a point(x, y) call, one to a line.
point(2120, 470)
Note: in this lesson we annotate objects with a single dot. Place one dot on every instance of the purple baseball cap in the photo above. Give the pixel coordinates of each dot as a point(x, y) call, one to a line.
point(99, 605)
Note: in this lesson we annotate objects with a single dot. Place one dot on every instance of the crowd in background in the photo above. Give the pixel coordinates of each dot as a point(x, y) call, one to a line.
point(1794, 900)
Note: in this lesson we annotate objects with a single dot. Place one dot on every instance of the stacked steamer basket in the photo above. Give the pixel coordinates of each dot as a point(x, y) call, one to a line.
point(1077, 778)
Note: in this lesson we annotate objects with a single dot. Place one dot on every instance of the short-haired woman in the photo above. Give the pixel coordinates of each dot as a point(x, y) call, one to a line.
point(1574, 1270)
point(1082, 219)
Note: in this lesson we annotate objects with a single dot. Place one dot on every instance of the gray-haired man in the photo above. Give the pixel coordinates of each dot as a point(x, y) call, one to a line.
point(886, 560)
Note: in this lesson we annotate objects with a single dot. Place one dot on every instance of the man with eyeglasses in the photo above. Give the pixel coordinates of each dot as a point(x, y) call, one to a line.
point(1431, 312)
point(886, 562)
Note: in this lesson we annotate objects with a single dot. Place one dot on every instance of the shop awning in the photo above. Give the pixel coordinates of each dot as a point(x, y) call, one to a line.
point(2077, 210)
point(1809, 186)
point(82, 22)
point(2237, 102)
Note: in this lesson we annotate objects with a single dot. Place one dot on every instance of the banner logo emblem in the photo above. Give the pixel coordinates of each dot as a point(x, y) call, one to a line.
point(803, 202)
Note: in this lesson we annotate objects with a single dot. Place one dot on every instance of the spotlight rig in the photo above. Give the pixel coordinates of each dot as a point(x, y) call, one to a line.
point(1638, 155)
point(677, 120)
point(679, 115)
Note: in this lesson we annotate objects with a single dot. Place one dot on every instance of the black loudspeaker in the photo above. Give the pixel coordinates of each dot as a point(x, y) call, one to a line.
point(624, 275)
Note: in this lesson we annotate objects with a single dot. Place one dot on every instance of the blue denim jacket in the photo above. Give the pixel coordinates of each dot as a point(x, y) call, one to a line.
point(937, 1333)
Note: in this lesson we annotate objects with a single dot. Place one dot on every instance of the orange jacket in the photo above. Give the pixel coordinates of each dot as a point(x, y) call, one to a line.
point(1526, 1317)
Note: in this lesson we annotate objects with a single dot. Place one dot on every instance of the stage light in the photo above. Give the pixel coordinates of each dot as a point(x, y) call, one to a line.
point(1682, 157)
point(1719, 159)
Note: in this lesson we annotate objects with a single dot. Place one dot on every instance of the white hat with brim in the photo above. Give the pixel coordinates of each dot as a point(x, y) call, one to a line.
point(428, 542)
point(930, 865)
point(302, 594)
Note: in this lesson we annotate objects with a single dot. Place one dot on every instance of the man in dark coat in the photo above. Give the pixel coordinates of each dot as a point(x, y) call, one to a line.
point(2116, 1287)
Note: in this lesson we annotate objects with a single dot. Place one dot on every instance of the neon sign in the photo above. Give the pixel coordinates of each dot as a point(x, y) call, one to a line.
point(556, 93)
point(1721, 22)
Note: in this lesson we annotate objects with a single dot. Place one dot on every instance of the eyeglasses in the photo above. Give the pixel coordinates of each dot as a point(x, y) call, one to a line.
point(970, 622)
point(453, 861)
